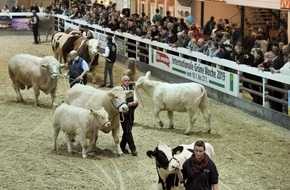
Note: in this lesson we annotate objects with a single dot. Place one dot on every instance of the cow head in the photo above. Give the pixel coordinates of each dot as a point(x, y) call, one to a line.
point(118, 98)
point(93, 46)
point(102, 117)
point(143, 79)
point(165, 158)
point(52, 66)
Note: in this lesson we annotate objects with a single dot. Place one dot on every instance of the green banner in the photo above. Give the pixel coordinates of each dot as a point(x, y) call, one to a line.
point(120, 46)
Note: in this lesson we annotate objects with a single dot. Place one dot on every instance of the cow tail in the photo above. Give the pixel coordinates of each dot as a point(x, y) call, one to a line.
point(203, 97)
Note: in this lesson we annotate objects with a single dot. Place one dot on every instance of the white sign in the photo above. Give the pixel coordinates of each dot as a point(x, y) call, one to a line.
point(204, 74)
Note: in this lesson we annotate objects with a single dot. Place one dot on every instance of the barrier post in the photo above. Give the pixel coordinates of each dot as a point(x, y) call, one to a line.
point(289, 102)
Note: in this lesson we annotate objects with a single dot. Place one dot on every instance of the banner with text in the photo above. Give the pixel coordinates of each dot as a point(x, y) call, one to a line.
point(209, 76)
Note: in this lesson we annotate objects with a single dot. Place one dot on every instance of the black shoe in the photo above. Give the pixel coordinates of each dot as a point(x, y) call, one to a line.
point(102, 85)
point(125, 151)
point(134, 153)
point(110, 86)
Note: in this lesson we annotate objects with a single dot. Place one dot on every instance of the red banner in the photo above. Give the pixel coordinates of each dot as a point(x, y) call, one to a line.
point(285, 4)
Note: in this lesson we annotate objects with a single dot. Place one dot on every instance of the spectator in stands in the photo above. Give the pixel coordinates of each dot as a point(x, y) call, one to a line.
point(157, 16)
point(249, 39)
point(22, 9)
point(167, 18)
point(282, 36)
point(210, 25)
point(266, 30)
point(236, 34)
point(164, 35)
point(258, 59)
point(277, 64)
point(57, 9)
point(16, 8)
point(113, 24)
point(192, 44)
point(34, 7)
point(41, 8)
point(5, 9)
point(263, 43)
point(284, 53)
point(87, 33)
point(212, 50)
point(172, 38)
point(223, 53)
point(182, 24)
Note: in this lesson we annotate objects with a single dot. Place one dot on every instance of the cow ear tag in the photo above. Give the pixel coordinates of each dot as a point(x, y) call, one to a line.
point(177, 152)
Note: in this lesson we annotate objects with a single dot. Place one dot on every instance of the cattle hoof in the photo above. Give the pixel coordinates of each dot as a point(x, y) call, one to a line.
point(120, 155)
point(161, 124)
point(171, 127)
point(208, 131)
point(186, 133)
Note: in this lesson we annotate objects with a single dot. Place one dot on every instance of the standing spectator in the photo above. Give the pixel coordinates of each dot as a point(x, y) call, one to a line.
point(282, 36)
point(167, 18)
point(22, 9)
point(87, 33)
point(77, 69)
point(210, 25)
point(110, 55)
point(199, 170)
point(128, 121)
point(277, 64)
point(5, 9)
point(34, 7)
point(34, 24)
point(236, 34)
point(41, 8)
point(16, 8)
point(157, 16)
point(266, 30)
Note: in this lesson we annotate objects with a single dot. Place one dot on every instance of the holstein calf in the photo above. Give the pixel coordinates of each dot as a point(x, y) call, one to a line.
point(168, 161)
point(79, 121)
point(181, 97)
point(40, 73)
point(114, 102)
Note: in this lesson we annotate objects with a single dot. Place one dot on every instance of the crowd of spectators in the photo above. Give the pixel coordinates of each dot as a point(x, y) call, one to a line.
point(217, 38)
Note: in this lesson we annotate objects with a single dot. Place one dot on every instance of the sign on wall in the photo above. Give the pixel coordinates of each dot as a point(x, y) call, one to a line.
point(204, 74)
point(285, 4)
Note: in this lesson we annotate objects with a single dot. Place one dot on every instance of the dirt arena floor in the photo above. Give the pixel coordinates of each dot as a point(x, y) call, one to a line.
point(251, 154)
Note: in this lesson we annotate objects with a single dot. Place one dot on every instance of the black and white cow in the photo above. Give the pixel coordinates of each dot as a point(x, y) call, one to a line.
point(169, 161)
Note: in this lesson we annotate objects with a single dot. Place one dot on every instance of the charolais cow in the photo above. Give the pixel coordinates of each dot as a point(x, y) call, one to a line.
point(169, 161)
point(114, 102)
point(46, 25)
point(181, 97)
point(26, 70)
point(79, 121)
point(62, 44)
point(88, 50)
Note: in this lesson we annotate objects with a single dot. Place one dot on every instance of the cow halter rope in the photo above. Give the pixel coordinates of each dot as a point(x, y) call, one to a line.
point(117, 108)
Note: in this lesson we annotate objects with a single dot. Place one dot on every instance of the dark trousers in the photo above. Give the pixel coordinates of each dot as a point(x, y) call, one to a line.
point(127, 126)
point(35, 34)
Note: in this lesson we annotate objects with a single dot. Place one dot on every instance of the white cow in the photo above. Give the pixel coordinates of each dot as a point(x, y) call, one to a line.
point(170, 161)
point(114, 102)
point(79, 121)
point(182, 97)
point(26, 70)
point(46, 24)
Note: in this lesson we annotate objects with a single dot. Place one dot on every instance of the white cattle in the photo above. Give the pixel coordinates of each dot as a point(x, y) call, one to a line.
point(170, 161)
point(26, 70)
point(79, 121)
point(88, 50)
point(62, 43)
point(46, 24)
point(182, 97)
point(130, 69)
point(114, 102)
